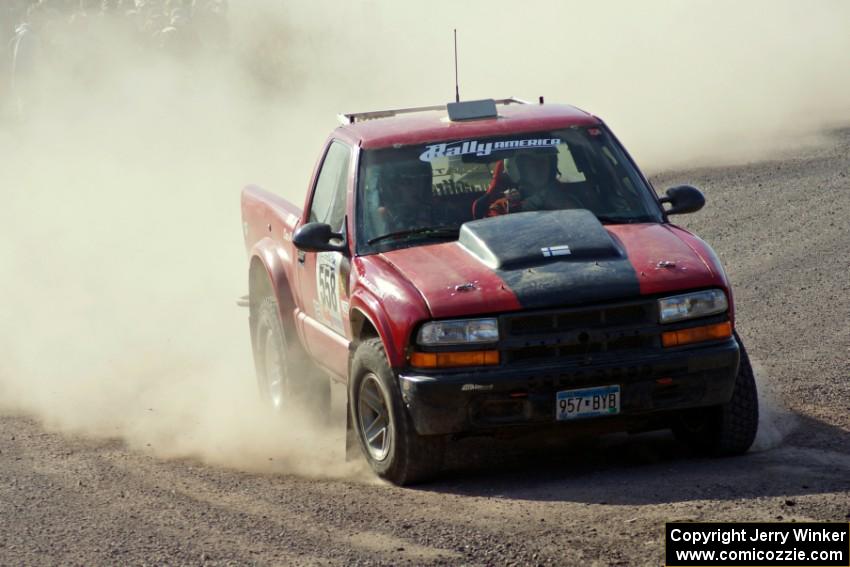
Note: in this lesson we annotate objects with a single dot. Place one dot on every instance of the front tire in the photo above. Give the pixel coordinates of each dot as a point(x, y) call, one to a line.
point(728, 429)
point(388, 439)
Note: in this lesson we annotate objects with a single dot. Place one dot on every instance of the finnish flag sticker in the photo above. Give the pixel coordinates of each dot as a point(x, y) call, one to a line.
point(550, 251)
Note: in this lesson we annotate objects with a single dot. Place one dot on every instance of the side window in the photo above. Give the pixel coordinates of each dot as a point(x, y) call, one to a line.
point(328, 204)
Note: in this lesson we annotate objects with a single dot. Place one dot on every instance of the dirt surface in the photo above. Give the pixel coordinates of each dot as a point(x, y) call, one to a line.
point(782, 229)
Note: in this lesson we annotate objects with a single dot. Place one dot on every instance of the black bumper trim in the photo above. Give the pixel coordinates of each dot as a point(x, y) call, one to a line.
point(489, 399)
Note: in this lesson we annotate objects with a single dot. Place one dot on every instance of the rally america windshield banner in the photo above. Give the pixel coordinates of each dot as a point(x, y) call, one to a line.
point(482, 149)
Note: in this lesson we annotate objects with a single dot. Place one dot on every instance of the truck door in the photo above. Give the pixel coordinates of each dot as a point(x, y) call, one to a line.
point(322, 276)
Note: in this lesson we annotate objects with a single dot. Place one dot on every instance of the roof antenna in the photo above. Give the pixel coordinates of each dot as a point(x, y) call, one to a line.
point(457, 88)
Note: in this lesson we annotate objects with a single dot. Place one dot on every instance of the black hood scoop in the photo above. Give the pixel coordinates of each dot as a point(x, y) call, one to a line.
point(523, 239)
point(553, 258)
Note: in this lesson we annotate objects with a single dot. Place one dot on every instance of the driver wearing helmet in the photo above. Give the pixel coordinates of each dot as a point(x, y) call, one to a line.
point(536, 186)
point(404, 197)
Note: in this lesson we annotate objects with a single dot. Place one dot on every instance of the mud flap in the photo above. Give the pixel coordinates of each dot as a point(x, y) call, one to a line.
point(352, 446)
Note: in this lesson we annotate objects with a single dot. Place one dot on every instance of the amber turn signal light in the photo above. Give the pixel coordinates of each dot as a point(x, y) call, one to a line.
point(697, 334)
point(449, 359)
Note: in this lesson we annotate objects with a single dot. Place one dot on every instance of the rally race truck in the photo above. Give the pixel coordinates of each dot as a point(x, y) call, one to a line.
point(489, 267)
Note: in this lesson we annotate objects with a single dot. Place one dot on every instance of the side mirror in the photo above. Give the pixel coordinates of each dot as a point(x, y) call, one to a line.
point(316, 237)
point(683, 199)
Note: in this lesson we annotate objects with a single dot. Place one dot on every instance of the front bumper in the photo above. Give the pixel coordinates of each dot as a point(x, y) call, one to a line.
point(524, 395)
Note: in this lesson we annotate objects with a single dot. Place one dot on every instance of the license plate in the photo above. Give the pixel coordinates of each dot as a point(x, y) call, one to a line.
point(587, 402)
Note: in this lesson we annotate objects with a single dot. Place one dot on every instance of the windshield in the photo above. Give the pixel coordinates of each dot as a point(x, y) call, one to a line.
point(422, 194)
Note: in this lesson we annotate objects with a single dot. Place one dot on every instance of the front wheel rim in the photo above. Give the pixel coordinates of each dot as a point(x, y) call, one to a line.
point(376, 427)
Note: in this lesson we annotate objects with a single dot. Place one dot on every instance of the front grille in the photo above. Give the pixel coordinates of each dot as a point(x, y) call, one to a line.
point(582, 334)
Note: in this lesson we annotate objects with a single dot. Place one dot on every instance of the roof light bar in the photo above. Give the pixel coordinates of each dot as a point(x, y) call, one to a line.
point(353, 117)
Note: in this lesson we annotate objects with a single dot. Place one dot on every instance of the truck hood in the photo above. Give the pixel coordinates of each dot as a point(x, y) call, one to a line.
point(551, 259)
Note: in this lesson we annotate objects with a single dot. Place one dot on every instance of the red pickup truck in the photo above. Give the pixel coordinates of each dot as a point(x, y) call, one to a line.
point(487, 267)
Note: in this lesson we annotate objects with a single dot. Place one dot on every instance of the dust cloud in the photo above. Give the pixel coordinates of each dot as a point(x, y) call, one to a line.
point(776, 422)
point(121, 168)
point(122, 248)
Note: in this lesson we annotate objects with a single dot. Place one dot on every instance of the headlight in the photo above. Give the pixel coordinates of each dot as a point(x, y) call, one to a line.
point(692, 305)
point(459, 332)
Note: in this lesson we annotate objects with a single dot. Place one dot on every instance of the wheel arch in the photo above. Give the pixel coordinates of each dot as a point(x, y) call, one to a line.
point(362, 327)
point(368, 320)
point(267, 277)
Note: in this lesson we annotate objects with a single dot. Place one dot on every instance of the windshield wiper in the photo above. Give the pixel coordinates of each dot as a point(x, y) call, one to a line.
point(620, 220)
point(430, 231)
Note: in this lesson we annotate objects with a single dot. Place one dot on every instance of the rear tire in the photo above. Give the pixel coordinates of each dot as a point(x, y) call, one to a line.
point(286, 377)
point(384, 429)
point(728, 429)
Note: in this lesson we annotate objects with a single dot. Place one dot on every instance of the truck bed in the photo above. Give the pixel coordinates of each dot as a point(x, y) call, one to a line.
point(267, 215)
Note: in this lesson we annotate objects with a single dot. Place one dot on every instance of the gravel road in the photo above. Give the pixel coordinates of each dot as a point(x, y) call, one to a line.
point(781, 227)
